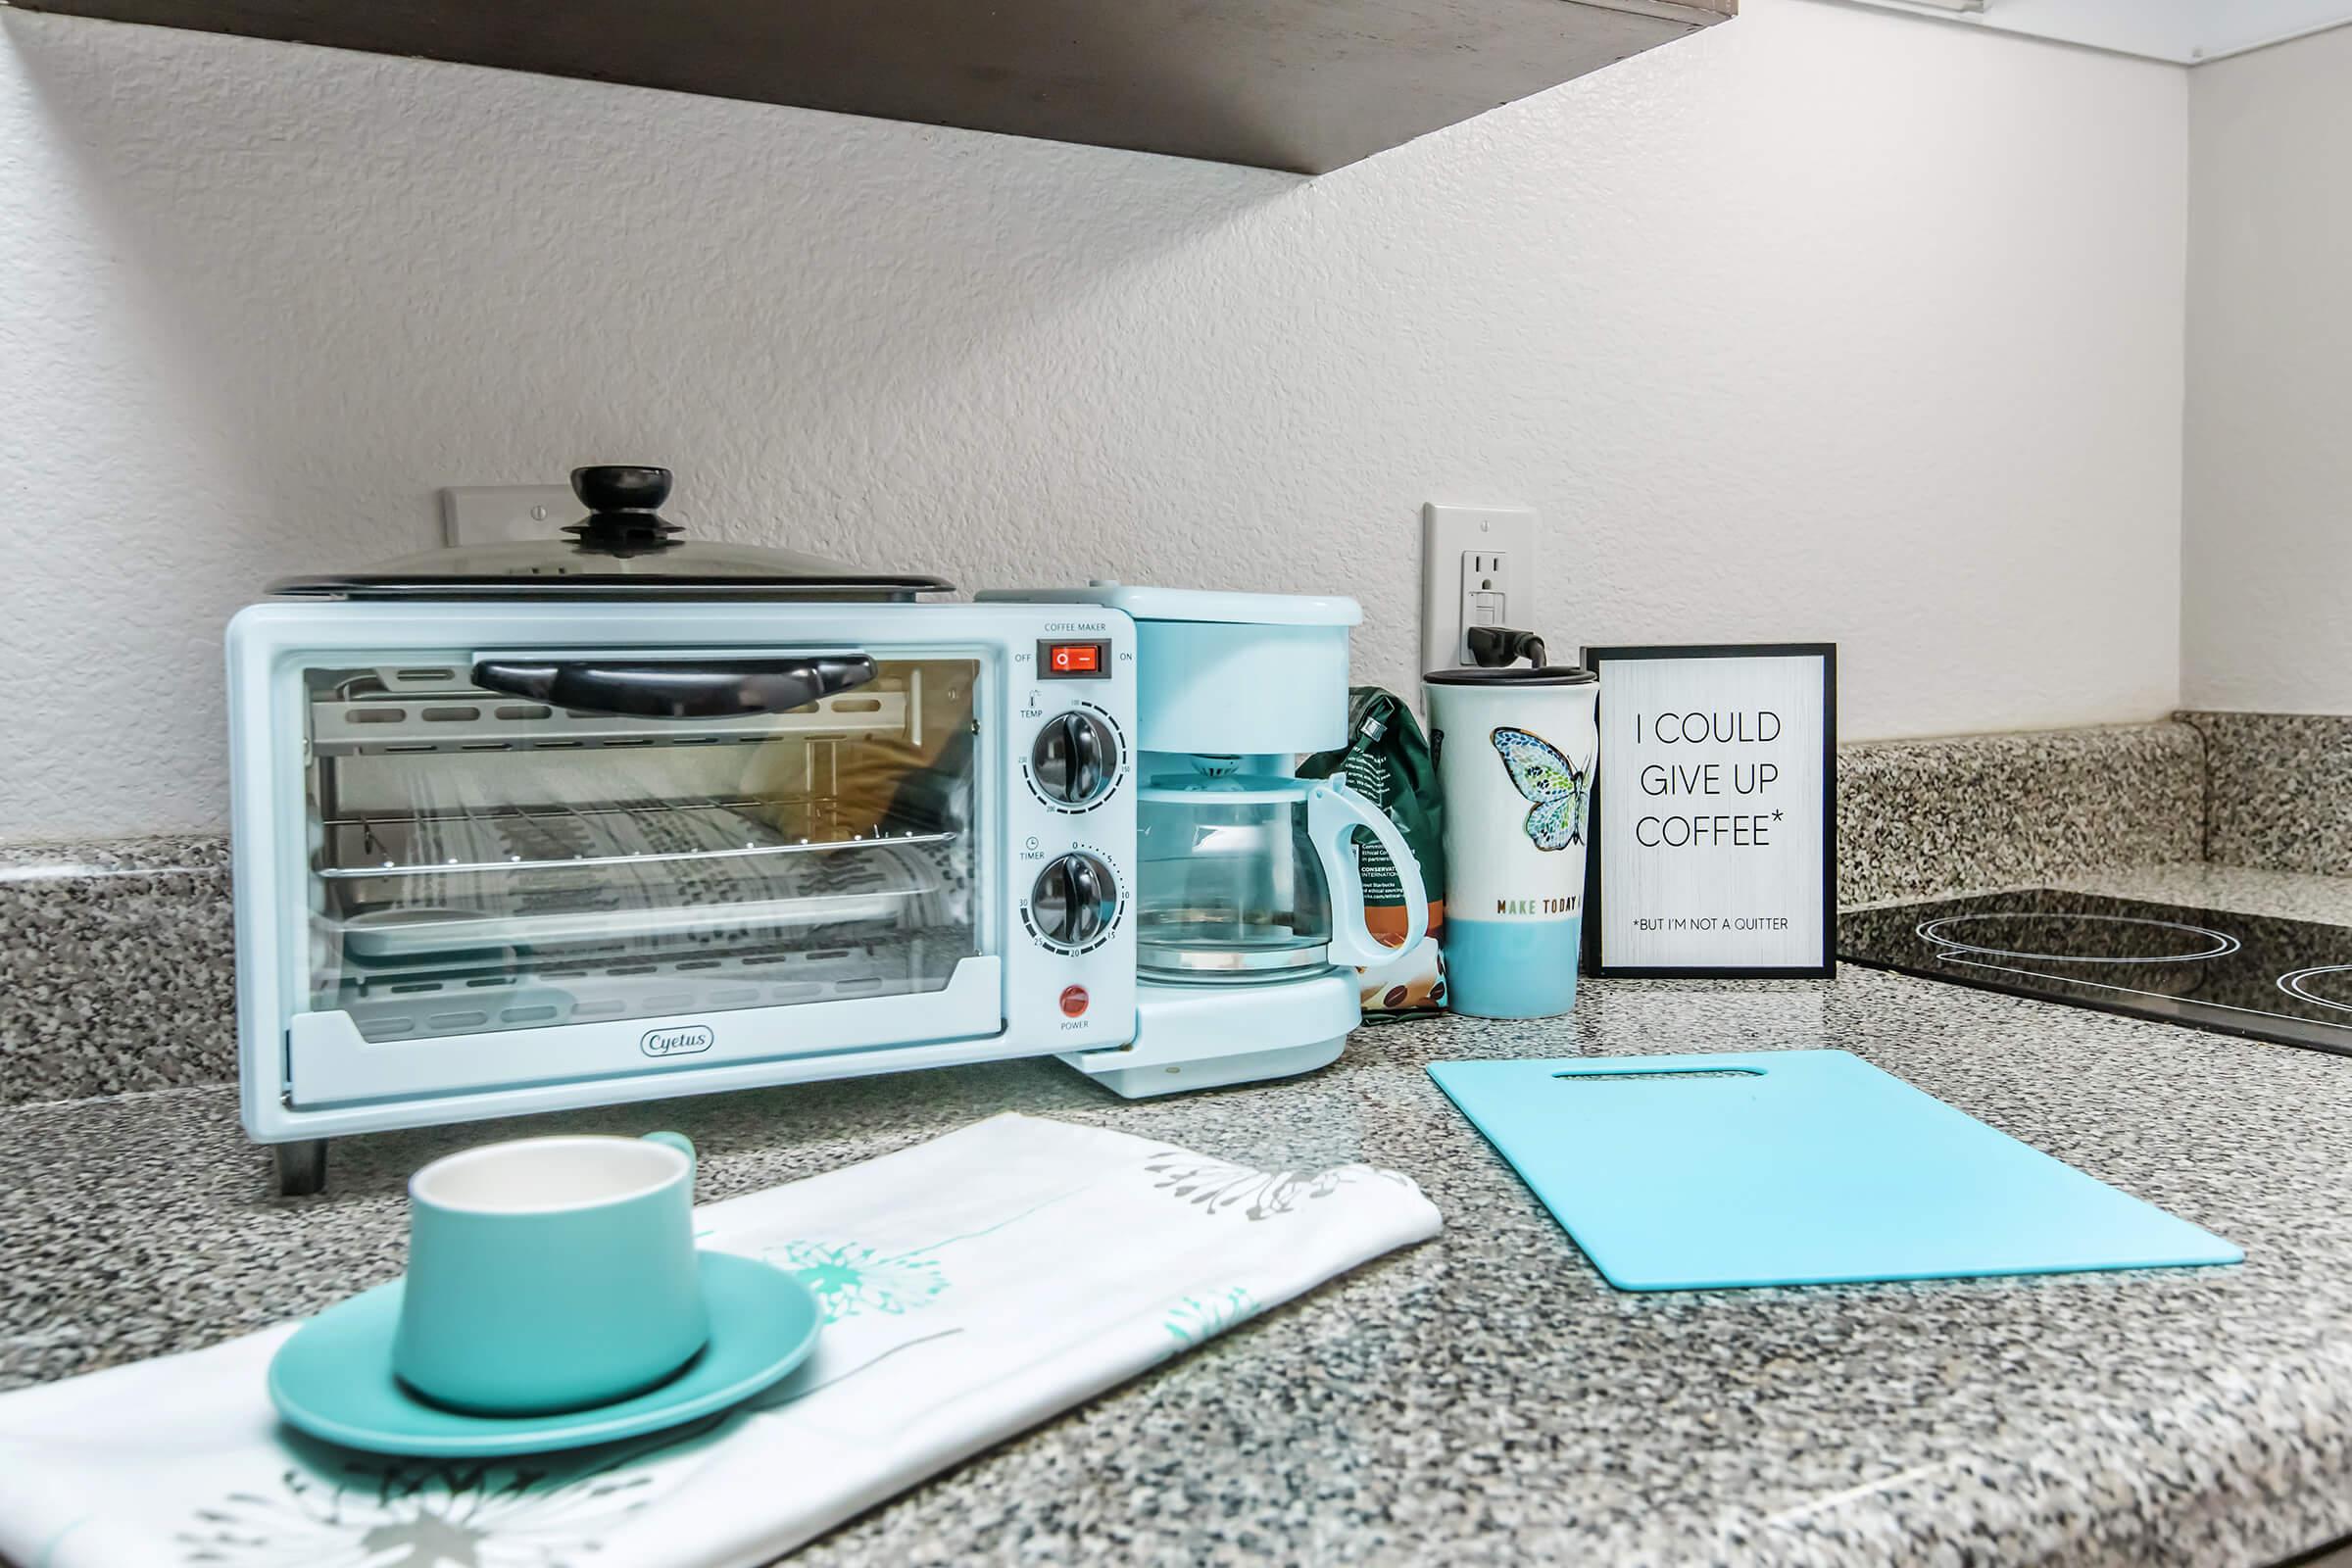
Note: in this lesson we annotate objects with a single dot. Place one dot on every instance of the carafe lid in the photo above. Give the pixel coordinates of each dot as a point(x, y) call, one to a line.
point(622, 548)
point(1223, 789)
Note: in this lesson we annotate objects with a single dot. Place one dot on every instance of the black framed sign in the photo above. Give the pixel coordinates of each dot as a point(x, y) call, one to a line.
point(1714, 811)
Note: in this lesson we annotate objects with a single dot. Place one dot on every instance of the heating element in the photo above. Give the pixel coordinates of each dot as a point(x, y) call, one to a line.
point(2259, 976)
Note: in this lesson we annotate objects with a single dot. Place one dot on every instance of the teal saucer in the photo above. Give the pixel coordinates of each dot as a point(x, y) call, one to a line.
point(334, 1379)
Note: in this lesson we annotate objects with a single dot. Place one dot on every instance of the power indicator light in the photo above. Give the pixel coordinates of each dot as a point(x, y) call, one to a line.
point(1073, 1001)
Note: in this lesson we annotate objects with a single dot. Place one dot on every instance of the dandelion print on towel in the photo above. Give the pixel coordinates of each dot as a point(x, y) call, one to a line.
point(1203, 1317)
point(850, 1280)
point(343, 1511)
point(1216, 1188)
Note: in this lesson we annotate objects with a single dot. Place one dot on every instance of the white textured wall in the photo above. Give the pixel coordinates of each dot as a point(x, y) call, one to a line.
point(1823, 325)
point(2266, 620)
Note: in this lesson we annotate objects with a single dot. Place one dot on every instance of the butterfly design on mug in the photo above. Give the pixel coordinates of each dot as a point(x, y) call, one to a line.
point(1553, 786)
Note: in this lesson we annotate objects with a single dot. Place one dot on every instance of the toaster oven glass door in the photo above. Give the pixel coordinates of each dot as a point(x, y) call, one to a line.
point(517, 843)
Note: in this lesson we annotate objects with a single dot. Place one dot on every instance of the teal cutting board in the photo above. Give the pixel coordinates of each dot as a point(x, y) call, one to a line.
point(1795, 1167)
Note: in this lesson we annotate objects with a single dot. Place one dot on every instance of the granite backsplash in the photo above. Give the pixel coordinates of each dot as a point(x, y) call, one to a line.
point(120, 968)
point(121, 976)
point(1921, 817)
point(2278, 790)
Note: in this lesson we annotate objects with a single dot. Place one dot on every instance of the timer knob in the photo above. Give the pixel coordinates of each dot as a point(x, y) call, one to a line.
point(1074, 758)
point(1073, 900)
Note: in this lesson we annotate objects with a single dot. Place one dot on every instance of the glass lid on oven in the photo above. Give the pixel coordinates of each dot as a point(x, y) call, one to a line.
point(622, 548)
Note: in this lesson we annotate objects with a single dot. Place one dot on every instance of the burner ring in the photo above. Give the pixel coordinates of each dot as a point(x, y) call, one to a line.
point(2224, 944)
point(2292, 984)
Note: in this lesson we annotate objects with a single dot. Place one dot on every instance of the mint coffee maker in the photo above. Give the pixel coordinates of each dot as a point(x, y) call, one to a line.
point(1248, 908)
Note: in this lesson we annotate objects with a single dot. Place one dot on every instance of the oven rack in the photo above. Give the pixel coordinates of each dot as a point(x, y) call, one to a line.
point(393, 934)
point(368, 845)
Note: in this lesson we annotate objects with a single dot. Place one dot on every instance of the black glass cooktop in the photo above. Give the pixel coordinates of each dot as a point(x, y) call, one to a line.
point(2242, 974)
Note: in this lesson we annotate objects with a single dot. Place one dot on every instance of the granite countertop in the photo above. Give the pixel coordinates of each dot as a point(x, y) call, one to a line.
point(1483, 1397)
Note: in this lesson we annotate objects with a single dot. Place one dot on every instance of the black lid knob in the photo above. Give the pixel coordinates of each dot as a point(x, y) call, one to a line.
point(621, 497)
point(620, 487)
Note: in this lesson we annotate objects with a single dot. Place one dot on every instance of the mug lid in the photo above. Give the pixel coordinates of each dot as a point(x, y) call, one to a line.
point(1512, 675)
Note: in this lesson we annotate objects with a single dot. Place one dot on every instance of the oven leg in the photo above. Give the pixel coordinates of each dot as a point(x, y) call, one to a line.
point(302, 1168)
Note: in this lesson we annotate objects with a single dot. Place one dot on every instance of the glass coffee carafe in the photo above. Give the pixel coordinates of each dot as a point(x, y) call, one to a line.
point(1246, 878)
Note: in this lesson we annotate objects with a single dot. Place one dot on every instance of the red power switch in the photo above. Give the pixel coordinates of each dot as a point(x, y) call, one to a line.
point(1073, 1001)
point(1075, 659)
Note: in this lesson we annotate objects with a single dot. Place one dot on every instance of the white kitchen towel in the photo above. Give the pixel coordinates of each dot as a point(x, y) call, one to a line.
point(972, 1286)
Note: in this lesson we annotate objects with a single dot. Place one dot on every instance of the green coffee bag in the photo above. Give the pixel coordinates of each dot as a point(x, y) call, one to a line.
point(1389, 763)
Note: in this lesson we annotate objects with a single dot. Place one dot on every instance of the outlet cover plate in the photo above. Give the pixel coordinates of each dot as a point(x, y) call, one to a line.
point(1448, 535)
point(498, 514)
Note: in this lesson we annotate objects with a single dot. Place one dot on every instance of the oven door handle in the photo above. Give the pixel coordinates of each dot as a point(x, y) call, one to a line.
point(715, 688)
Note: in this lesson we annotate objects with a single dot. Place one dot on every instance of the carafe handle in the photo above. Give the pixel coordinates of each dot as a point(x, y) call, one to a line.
point(1334, 812)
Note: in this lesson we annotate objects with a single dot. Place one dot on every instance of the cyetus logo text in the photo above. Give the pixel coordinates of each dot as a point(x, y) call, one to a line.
point(676, 1042)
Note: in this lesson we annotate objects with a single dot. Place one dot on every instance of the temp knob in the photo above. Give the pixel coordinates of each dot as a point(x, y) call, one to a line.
point(1074, 758)
point(1073, 900)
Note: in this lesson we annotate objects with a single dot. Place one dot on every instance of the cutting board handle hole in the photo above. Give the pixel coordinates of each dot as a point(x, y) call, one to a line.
point(1621, 1075)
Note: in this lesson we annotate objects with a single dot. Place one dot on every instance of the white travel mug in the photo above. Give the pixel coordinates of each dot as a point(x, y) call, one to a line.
point(1515, 748)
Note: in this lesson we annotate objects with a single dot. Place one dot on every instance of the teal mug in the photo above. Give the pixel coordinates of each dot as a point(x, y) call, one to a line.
point(551, 1274)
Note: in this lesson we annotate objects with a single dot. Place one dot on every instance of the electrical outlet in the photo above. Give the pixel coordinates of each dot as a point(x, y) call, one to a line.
point(496, 513)
point(1477, 568)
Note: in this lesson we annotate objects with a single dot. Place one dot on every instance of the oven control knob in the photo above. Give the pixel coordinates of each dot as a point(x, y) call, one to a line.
point(1074, 758)
point(1074, 900)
